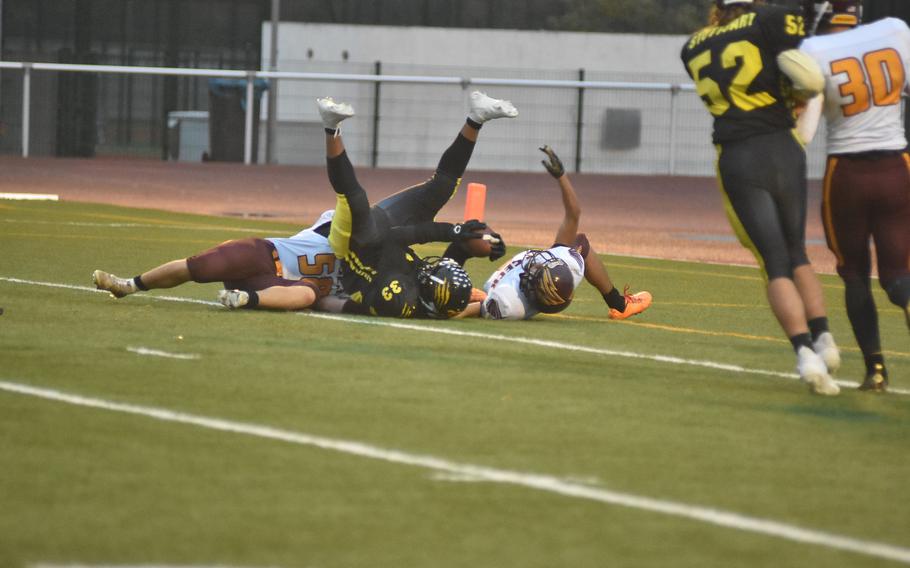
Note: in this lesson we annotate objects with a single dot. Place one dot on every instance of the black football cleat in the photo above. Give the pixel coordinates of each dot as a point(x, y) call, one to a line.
point(876, 381)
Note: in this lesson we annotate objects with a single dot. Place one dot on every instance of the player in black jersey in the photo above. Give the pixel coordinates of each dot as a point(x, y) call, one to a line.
point(749, 74)
point(380, 273)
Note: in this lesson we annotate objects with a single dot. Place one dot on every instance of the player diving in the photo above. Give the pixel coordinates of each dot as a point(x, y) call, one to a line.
point(381, 274)
point(544, 281)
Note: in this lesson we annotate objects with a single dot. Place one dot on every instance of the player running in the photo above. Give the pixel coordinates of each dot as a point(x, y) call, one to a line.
point(277, 273)
point(739, 62)
point(381, 273)
point(544, 281)
point(867, 181)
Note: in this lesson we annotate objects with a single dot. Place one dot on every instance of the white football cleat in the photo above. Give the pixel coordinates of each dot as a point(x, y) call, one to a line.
point(828, 351)
point(118, 287)
point(813, 371)
point(333, 113)
point(484, 108)
point(233, 299)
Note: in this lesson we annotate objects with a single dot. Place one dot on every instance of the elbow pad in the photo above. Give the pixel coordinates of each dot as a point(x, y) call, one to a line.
point(805, 74)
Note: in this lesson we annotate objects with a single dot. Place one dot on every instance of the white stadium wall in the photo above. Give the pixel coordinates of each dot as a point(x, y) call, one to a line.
point(623, 131)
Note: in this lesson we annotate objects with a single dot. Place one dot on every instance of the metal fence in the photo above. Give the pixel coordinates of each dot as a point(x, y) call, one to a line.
point(405, 120)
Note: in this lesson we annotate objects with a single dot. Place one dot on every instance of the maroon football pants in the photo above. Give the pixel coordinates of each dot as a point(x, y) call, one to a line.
point(244, 264)
point(868, 195)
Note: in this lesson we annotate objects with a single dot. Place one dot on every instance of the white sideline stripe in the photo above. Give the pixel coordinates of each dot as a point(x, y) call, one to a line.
point(157, 353)
point(90, 289)
point(539, 482)
point(30, 196)
point(133, 566)
point(144, 226)
point(579, 348)
point(489, 336)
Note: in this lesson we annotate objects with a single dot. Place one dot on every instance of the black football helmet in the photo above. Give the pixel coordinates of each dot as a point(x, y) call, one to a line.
point(547, 281)
point(833, 13)
point(445, 288)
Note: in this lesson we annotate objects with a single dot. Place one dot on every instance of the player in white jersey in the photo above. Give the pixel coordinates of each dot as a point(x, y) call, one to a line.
point(306, 256)
point(537, 281)
point(510, 294)
point(277, 273)
point(867, 180)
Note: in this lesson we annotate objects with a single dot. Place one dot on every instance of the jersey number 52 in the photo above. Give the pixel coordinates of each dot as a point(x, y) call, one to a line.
point(743, 54)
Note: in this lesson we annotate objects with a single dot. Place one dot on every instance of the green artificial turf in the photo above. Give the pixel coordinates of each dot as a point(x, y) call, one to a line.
point(92, 486)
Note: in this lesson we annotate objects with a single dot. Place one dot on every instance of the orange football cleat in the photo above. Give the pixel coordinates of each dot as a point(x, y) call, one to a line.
point(635, 304)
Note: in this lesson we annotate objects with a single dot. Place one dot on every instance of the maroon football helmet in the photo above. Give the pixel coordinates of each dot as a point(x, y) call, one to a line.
point(547, 281)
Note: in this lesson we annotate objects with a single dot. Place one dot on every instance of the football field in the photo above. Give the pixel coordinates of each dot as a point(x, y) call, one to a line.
point(164, 430)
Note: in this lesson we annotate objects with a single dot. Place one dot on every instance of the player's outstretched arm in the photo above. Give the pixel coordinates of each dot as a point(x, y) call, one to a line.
point(572, 212)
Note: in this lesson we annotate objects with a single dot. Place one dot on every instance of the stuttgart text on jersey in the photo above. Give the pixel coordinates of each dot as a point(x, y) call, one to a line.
point(739, 23)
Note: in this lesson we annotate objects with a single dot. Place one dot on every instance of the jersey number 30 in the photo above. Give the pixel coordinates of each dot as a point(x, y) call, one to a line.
point(885, 72)
point(748, 57)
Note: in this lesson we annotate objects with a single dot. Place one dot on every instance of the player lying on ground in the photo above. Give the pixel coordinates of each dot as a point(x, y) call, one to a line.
point(867, 182)
point(545, 280)
point(277, 273)
point(381, 274)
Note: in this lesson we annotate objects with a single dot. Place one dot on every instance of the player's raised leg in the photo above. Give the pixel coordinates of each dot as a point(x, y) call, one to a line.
point(421, 202)
point(352, 206)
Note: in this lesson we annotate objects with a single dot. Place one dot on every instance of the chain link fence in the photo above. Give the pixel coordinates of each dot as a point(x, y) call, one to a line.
point(599, 122)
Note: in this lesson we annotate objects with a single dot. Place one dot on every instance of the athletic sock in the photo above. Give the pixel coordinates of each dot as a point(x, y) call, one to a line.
point(253, 302)
point(331, 131)
point(341, 174)
point(818, 326)
point(139, 284)
point(474, 124)
point(801, 340)
point(454, 160)
point(615, 300)
point(863, 315)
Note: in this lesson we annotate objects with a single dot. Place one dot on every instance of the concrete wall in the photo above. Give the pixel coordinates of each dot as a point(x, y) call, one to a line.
point(416, 122)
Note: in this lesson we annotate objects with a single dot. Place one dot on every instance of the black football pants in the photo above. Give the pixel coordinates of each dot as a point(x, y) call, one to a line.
point(763, 180)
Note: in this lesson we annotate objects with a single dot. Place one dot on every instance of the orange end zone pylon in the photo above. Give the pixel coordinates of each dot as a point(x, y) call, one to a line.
point(475, 202)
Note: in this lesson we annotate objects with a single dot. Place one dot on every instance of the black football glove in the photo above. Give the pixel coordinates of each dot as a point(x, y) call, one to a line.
point(553, 163)
point(472, 229)
point(497, 247)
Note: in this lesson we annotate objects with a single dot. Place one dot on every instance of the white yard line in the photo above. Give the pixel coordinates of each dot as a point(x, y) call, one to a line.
point(30, 196)
point(133, 566)
point(544, 343)
point(545, 483)
point(576, 348)
point(144, 226)
point(165, 354)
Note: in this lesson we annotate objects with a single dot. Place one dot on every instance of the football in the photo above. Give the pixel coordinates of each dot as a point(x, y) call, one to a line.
point(479, 247)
